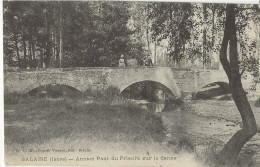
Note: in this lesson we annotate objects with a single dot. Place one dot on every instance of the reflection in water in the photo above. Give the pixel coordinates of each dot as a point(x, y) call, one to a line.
point(149, 90)
point(156, 107)
point(174, 115)
point(177, 121)
point(159, 106)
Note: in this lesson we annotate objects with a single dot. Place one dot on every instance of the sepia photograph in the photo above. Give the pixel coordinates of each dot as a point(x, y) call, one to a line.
point(131, 83)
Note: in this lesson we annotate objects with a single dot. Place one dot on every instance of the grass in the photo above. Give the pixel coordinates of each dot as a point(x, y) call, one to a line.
point(12, 98)
point(96, 115)
point(36, 120)
point(208, 154)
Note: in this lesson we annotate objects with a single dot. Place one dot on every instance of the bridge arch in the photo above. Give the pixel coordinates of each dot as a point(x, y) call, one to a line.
point(141, 86)
point(212, 77)
point(54, 90)
point(213, 89)
point(36, 84)
point(222, 84)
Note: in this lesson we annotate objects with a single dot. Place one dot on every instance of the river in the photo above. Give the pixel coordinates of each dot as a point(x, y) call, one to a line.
point(203, 125)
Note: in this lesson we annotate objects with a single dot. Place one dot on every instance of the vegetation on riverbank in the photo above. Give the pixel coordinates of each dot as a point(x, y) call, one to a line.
point(105, 116)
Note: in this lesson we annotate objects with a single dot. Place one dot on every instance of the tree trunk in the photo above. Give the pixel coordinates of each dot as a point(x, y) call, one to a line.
point(228, 156)
point(213, 27)
point(33, 54)
point(204, 36)
point(30, 54)
point(24, 48)
point(33, 47)
point(185, 56)
point(147, 38)
point(41, 59)
point(48, 43)
point(57, 53)
point(155, 52)
point(147, 26)
point(17, 49)
point(61, 36)
point(258, 47)
point(53, 46)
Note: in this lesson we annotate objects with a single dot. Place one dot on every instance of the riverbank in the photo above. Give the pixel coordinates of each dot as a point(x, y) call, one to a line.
point(204, 126)
point(193, 131)
point(35, 127)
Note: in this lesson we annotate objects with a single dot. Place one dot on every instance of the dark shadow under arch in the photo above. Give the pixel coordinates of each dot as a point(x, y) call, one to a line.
point(213, 89)
point(54, 90)
point(223, 85)
point(146, 90)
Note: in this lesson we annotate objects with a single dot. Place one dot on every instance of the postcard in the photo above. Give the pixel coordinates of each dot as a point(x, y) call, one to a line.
point(131, 83)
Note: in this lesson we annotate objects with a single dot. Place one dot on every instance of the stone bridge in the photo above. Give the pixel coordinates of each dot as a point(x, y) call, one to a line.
point(175, 81)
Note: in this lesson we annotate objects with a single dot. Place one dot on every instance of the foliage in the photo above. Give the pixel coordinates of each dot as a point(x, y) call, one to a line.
point(106, 95)
point(248, 38)
point(87, 33)
point(97, 33)
point(171, 21)
point(100, 37)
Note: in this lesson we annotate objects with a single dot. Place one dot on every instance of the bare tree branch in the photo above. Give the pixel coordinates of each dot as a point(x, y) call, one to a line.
point(242, 72)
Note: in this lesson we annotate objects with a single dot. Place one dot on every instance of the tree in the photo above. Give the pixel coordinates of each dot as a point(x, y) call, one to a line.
point(84, 33)
point(247, 21)
point(11, 33)
point(230, 151)
point(95, 33)
point(171, 21)
point(139, 25)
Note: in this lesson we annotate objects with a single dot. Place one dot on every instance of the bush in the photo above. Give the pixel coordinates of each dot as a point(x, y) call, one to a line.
point(12, 98)
point(185, 145)
point(106, 95)
point(149, 121)
point(111, 93)
point(17, 98)
point(92, 93)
